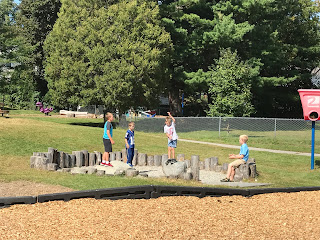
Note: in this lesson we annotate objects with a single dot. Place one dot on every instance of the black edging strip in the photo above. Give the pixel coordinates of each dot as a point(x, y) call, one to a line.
point(147, 192)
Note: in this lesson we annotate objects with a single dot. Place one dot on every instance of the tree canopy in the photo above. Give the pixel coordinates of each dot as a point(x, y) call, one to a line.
point(113, 54)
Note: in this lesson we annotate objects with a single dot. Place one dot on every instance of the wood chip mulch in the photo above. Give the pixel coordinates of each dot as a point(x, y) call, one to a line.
point(268, 216)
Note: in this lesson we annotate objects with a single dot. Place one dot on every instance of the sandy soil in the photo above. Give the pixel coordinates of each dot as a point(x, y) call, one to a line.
point(268, 216)
point(25, 188)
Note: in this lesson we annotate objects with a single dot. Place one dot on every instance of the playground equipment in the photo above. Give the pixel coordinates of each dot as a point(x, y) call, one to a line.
point(310, 99)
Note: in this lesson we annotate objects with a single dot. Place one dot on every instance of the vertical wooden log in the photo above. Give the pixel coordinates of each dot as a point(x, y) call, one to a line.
point(207, 164)
point(164, 159)
point(92, 159)
point(142, 159)
point(72, 160)
point(86, 157)
point(135, 157)
point(150, 161)
point(195, 167)
point(157, 160)
point(118, 156)
point(98, 157)
point(79, 159)
point(62, 159)
point(124, 155)
point(112, 156)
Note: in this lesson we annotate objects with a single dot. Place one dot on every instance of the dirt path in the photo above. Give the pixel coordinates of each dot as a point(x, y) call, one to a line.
point(25, 188)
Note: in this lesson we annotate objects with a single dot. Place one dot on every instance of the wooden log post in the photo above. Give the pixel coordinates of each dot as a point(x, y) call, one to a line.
point(207, 164)
point(164, 159)
point(124, 155)
point(79, 159)
point(98, 157)
point(142, 159)
point(150, 161)
point(135, 157)
point(157, 160)
point(92, 159)
point(118, 156)
point(195, 167)
point(72, 160)
point(86, 157)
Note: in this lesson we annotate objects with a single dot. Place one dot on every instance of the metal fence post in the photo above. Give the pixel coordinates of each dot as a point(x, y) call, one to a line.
point(275, 127)
point(219, 124)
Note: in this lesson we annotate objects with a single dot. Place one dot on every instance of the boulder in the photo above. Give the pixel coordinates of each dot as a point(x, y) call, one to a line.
point(172, 168)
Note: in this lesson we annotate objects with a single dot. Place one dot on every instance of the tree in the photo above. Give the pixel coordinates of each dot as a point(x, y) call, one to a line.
point(36, 19)
point(107, 53)
point(230, 86)
point(14, 58)
point(285, 38)
point(198, 32)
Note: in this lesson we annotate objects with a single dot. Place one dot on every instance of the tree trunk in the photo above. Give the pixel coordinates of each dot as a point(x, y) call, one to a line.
point(175, 102)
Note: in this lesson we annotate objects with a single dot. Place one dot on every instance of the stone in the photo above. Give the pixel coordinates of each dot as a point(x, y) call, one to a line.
point(52, 166)
point(41, 163)
point(79, 159)
point(112, 156)
point(50, 157)
point(92, 159)
point(173, 168)
point(119, 172)
point(131, 172)
point(53, 153)
point(187, 176)
point(217, 168)
point(72, 159)
point(207, 164)
point(100, 172)
point(86, 157)
point(142, 159)
point(180, 157)
point(150, 160)
point(66, 169)
point(195, 170)
point(124, 155)
point(225, 167)
point(157, 160)
point(135, 157)
point(78, 170)
point(143, 174)
point(33, 161)
point(71, 115)
point(118, 156)
point(92, 170)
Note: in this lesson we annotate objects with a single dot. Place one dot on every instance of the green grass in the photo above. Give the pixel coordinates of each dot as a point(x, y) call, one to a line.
point(22, 134)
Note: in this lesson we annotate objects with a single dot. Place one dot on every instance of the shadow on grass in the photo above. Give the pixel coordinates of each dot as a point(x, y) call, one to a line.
point(97, 125)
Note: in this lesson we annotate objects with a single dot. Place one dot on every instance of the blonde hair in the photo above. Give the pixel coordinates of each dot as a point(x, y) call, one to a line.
point(109, 115)
point(244, 138)
point(168, 119)
point(130, 124)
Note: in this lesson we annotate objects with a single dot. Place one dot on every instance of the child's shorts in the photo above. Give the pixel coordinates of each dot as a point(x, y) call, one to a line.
point(107, 145)
point(237, 163)
point(172, 143)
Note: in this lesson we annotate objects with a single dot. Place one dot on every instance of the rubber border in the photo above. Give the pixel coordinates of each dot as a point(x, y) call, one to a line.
point(147, 192)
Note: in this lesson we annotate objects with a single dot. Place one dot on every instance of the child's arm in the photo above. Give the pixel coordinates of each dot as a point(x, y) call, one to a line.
point(173, 120)
point(109, 135)
point(169, 136)
point(233, 156)
point(127, 144)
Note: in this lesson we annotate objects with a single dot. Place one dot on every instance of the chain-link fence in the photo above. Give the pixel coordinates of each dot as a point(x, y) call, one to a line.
point(224, 125)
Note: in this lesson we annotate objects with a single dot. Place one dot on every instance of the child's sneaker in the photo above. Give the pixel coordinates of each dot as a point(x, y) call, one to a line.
point(130, 165)
point(103, 163)
point(108, 164)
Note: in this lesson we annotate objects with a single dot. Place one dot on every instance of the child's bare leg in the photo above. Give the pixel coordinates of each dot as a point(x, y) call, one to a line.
point(229, 171)
point(104, 156)
point(232, 174)
point(172, 152)
point(169, 152)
